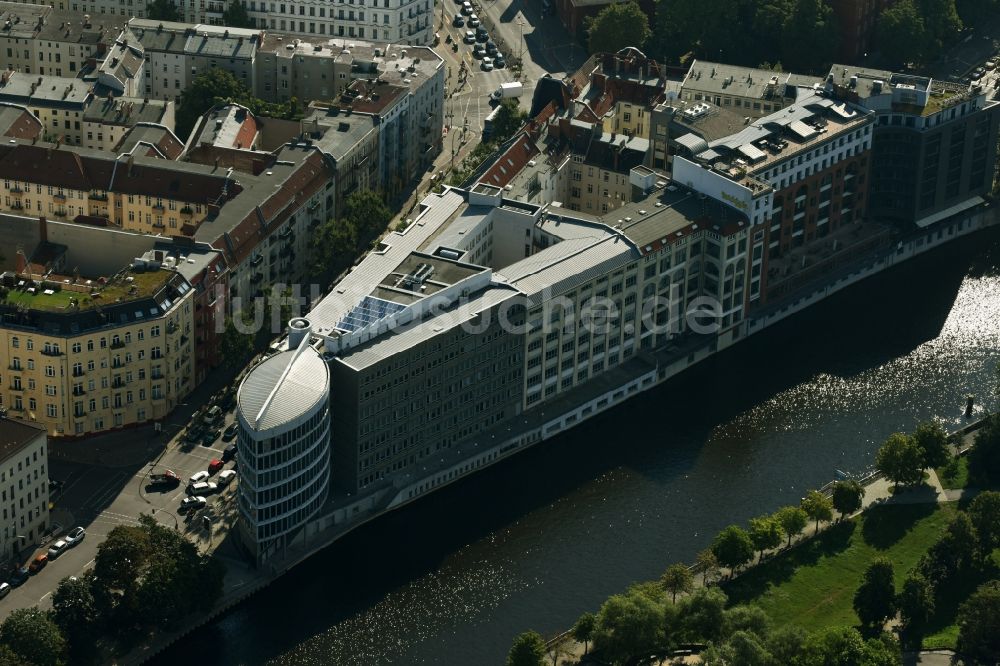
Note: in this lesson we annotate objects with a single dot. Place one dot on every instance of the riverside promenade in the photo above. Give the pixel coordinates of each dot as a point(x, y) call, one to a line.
point(563, 650)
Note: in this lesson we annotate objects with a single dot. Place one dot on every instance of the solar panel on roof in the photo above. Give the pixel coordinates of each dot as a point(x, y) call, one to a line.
point(367, 312)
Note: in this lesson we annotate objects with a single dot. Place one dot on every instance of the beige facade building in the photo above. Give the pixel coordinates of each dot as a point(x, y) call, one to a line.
point(87, 354)
point(24, 487)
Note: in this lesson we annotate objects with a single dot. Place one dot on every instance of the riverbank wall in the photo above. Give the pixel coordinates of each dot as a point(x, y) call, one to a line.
point(345, 514)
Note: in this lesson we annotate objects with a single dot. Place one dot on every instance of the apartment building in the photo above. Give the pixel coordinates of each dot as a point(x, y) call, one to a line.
point(815, 157)
point(24, 488)
point(176, 52)
point(934, 150)
point(17, 122)
point(619, 90)
point(695, 121)
point(88, 353)
point(39, 39)
point(387, 21)
point(745, 90)
point(73, 111)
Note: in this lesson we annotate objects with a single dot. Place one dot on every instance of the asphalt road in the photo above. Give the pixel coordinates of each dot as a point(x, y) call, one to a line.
point(114, 492)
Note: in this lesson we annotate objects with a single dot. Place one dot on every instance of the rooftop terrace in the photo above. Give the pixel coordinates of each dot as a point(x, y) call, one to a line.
point(59, 293)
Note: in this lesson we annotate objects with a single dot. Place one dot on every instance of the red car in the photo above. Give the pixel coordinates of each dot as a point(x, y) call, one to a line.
point(38, 563)
point(215, 466)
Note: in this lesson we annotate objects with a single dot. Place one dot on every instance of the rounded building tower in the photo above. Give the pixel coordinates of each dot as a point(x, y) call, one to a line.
point(283, 450)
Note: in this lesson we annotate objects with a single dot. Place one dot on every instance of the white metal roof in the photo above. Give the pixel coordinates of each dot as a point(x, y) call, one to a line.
point(283, 387)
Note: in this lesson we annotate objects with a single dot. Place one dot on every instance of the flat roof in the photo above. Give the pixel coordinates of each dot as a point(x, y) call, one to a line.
point(43, 90)
point(125, 111)
point(724, 79)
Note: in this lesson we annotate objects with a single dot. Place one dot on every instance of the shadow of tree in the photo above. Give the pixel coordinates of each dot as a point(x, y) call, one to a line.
point(883, 526)
point(780, 568)
point(951, 594)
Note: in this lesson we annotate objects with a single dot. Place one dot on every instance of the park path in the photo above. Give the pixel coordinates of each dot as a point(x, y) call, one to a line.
point(878, 492)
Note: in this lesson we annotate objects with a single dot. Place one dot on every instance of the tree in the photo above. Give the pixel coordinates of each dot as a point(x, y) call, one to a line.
point(902, 35)
point(708, 564)
point(205, 90)
point(916, 606)
point(9, 658)
point(792, 520)
point(847, 497)
point(33, 636)
point(677, 578)
point(733, 547)
point(979, 625)
point(747, 618)
point(765, 533)
point(121, 557)
point(367, 211)
point(333, 247)
point(810, 36)
point(743, 648)
point(528, 650)
point(162, 10)
point(875, 599)
point(583, 630)
point(984, 457)
point(236, 15)
point(702, 615)
point(942, 23)
point(617, 26)
point(786, 643)
point(932, 440)
point(984, 512)
point(836, 645)
point(508, 120)
point(960, 541)
point(76, 614)
point(900, 460)
point(235, 346)
point(627, 625)
point(817, 506)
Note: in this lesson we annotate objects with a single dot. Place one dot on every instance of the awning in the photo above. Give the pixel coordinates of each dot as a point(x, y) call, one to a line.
point(802, 130)
point(752, 153)
point(948, 212)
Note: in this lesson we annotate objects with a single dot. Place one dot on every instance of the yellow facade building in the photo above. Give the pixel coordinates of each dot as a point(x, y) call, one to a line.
point(82, 356)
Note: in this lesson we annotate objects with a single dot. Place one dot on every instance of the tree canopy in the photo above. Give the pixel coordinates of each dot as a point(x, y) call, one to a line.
point(528, 650)
point(984, 512)
point(32, 635)
point(984, 457)
point(916, 605)
point(792, 520)
point(733, 547)
point(817, 506)
point(847, 496)
point(932, 440)
point(236, 15)
point(628, 624)
point(217, 86)
point(508, 120)
point(765, 533)
point(583, 630)
point(979, 625)
point(875, 598)
point(162, 10)
point(677, 579)
point(900, 460)
point(617, 26)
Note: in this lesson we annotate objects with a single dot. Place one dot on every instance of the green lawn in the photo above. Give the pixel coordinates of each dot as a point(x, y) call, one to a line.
point(955, 475)
point(813, 584)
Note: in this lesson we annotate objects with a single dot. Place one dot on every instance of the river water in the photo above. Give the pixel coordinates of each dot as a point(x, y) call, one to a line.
point(537, 540)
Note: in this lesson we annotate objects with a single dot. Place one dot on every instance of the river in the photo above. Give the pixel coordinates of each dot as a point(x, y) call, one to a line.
point(540, 538)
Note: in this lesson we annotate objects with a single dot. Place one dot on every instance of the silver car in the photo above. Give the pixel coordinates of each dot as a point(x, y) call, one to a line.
point(75, 536)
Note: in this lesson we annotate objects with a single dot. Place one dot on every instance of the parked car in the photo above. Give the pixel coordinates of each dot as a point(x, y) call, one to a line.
point(215, 465)
point(226, 477)
point(210, 436)
point(474, 21)
point(77, 534)
point(499, 62)
point(466, 7)
point(4, 589)
point(58, 548)
point(230, 432)
point(482, 35)
point(479, 51)
point(38, 563)
point(486, 65)
point(470, 37)
point(166, 480)
point(19, 576)
point(491, 48)
point(195, 434)
point(458, 21)
point(198, 477)
point(214, 416)
point(193, 503)
point(229, 453)
point(202, 488)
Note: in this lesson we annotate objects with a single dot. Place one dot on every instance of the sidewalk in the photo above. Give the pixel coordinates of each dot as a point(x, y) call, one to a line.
point(876, 493)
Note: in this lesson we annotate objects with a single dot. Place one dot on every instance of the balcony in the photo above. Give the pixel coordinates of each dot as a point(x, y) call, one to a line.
point(15, 366)
point(79, 391)
point(156, 375)
point(51, 351)
point(16, 387)
point(159, 207)
point(171, 328)
point(187, 211)
point(117, 384)
point(60, 212)
point(117, 344)
point(80, 414)
point(59, 196)
point(97, 196)
point(17, 189)
point(313, 205)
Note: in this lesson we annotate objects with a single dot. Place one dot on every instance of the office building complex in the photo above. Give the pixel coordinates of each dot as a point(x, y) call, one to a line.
point(283, 408)
point(934, 152)
point(24, 478)
point(747, 91)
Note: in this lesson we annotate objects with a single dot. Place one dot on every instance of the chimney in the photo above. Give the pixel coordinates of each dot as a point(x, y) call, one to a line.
point(43, 229)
